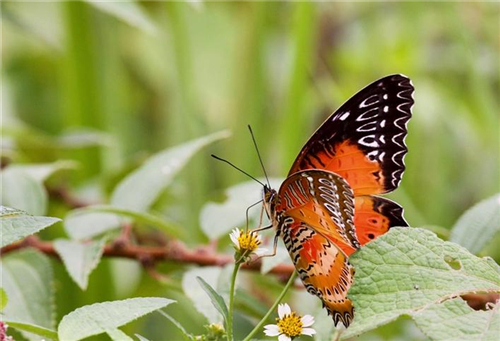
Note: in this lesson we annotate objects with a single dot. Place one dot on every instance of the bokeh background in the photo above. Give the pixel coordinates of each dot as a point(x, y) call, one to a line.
point(107, 84)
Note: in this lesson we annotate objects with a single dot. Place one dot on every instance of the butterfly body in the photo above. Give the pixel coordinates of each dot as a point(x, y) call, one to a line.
point(327, 208)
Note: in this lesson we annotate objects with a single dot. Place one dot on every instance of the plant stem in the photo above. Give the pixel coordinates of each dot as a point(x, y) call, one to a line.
point(229, 327)
point(273, 307)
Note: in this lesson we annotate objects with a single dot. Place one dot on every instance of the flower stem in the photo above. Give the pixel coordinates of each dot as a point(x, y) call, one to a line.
point(229, 327)
point(273, 307)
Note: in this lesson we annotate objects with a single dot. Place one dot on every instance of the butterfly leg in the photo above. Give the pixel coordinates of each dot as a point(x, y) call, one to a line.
point(275, 247)
point(261, 229)
point(248, 209)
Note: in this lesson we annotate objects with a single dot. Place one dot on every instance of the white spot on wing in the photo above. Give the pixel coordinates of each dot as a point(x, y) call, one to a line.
point(369, 141)
point(366, 102)
point(344, 116)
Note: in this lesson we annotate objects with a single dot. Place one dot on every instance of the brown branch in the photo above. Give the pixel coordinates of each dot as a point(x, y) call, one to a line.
point(174, 252)
point(203, 256)
point(65, 196)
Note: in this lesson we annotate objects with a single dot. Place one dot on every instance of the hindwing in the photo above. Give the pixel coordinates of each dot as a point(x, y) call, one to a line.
point(324, 201)
point(375, 216)
point(322, 267)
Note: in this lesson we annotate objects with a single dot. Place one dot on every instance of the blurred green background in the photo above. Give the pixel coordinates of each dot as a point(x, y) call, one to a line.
point(108, 84)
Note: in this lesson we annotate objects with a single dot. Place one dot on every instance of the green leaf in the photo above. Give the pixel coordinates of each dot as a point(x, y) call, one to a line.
point(176, 323)
point(107, 316)
point(409, 270)
point(80, 258)
point(32, 329)
point(139, 190)
point(118, 335)
point(129, 12)
point(217, 300)
point(478, 225)
point(218, 219)
point(27, 280)
point(42, 171)
point(17, 224)
point(216, 278)
point(22, 191)
point(90, 221)
point(141, 338)
point(3, 299)
point(455, 320)
point(87, 224)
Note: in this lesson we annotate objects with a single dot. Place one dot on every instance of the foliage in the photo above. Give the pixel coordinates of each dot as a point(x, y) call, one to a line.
point(106, 317)
point(478, 226)
point(79, 258)
point(408, 271)
point(17, 224)
point(28, 284)
point(108, 119)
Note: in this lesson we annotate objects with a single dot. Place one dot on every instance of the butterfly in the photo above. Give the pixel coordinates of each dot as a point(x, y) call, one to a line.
point(328, 207)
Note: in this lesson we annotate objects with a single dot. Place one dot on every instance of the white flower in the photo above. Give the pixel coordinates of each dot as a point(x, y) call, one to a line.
point(247, 243)
point(289, 324)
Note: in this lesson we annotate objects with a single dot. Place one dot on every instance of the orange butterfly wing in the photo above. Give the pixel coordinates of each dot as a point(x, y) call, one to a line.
point(322, 267)
point(363, 141)
point(316, 223)
point(374, 216)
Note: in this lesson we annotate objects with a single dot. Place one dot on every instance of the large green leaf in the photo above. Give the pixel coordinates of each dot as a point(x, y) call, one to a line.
point(22, 191)
point(90, 221)
point(139, 190)
point(217, 219)
point(478, 225)
point(106, 317)
point(409, 270)
point(27, 280)
point(79, 258)
point(455, 320)
point(17, 224)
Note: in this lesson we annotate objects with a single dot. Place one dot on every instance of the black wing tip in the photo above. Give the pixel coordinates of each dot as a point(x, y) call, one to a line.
point(345, 318)
point(391, 210)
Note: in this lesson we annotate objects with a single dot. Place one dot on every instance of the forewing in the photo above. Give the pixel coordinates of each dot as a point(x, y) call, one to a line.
point(324, 201)
point(322, 266)
point(363, 141)
point(375, 216)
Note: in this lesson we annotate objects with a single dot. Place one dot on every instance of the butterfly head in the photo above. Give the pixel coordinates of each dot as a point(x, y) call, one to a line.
point(270, 202)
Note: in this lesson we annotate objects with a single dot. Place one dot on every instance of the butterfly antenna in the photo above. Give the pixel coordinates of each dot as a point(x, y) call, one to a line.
point(241, 170)
point(258, 154)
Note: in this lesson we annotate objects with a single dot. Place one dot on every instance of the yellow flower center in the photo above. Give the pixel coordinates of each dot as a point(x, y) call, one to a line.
point(290, 325)
point(248, 241)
